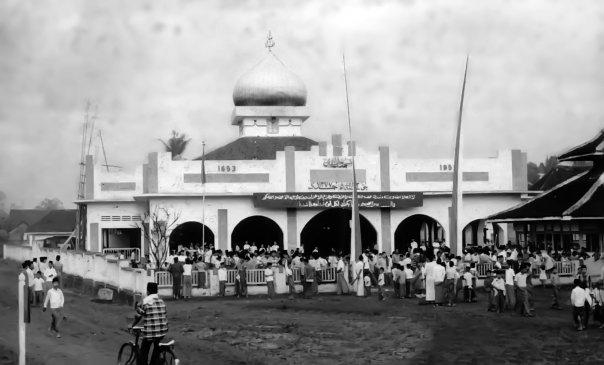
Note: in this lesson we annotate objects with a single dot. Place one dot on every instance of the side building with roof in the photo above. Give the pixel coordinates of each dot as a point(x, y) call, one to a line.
point(273, 184)
point(570, 213)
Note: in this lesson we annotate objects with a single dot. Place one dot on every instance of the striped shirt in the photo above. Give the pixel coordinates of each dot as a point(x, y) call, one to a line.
point(155, 321)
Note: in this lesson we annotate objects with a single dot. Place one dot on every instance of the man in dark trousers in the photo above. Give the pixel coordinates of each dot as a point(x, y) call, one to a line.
point(155, 323)
point(176, 269)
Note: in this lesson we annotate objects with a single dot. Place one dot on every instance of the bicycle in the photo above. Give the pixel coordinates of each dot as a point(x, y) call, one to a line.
point(129, 352)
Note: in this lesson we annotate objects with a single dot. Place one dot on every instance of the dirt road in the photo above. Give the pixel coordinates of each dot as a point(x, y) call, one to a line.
point(326, 330)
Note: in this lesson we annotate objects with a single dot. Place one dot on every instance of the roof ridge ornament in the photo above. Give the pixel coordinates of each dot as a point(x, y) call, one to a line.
point(269, 42)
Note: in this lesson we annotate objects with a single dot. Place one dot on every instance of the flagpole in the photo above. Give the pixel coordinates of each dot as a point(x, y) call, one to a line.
point(203, 193)
point(457, 196)
point(355, 236)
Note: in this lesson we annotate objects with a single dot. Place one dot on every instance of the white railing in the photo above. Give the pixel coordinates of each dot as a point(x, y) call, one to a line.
point(328, 275)
point(565, 268)
point(255, 277)
point(481, 270)
point(128, 253)
point(231, 274)
point(297, 275)
point(164, 278)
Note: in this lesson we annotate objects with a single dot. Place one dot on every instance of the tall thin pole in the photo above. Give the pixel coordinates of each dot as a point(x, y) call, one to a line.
point(104, 153)
point(22, 304)
point(355, 237)
point(203, 193)
point(457, 196)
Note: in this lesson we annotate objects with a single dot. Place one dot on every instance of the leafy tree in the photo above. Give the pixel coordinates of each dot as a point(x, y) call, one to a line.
point(532, 173)
point(50, 204)
point(176, 144)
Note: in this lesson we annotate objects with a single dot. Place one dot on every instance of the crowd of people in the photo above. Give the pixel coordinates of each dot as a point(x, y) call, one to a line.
point(427, 271)
point(43, 280)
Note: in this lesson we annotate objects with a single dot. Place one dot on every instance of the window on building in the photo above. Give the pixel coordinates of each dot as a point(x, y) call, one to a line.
point(592, 242)
point(273, 126)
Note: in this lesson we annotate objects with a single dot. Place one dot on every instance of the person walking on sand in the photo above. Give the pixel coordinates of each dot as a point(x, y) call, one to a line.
point(55, 300)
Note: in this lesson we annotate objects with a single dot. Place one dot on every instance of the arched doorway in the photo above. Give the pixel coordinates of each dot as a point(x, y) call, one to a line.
point(418, 227)
point(190, 233)
point(331, 229)
point(257, 229)
point(477, 232)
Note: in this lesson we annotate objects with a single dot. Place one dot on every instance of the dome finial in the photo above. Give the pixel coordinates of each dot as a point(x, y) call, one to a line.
point(269, 42)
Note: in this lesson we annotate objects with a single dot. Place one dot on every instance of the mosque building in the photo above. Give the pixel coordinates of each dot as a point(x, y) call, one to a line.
point(273, 184)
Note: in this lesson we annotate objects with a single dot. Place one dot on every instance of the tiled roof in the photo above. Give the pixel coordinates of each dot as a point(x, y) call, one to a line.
point(55, 221)
point(579, 197)
point(258, 148)
point(25, 216)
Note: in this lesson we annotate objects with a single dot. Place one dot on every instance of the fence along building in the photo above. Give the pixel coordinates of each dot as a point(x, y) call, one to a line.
point(273, 184)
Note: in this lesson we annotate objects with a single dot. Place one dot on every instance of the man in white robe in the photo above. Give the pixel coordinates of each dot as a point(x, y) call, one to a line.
point(358, 277)
point(431, 272)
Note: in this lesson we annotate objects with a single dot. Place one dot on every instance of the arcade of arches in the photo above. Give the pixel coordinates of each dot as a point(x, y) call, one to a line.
point(331, 229)
point(189, 233)
point(257, 229)
point(417, 227)
point(477, 232)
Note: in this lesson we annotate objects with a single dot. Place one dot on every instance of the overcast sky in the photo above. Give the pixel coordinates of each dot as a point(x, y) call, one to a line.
point(535, 81)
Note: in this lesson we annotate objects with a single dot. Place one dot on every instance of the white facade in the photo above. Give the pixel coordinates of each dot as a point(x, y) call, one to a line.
point(270, 111)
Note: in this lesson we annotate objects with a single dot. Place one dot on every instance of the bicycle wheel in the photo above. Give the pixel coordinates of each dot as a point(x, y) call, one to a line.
point(167, 357)
point(127, 354)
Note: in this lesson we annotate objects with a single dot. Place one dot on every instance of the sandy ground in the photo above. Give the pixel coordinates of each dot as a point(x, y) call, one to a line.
point(325, 330)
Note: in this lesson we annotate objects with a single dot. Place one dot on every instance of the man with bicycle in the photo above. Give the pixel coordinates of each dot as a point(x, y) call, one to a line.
point(155, 324)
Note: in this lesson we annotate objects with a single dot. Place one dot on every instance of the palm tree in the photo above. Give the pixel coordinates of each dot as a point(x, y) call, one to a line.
point(176, 144)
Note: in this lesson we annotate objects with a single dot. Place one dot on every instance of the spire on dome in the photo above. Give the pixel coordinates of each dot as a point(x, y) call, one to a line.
point(269, 42)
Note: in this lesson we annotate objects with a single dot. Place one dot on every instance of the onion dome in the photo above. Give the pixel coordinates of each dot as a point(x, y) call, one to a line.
point(269, 83)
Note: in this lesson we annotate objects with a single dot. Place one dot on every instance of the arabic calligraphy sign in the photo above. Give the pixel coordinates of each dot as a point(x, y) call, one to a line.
point(337, 162)
point(395, 200)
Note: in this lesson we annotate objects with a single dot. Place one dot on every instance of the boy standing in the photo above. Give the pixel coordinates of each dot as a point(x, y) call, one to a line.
point(367, 284)
point(578, 297)
point(408, 279)
point(38, 288)
point(468, 288)
point(51, 274)
point(396, 274)
point(270, 283)
point(381, 283)
point(222, 278)
point(509, 286)
point(499, 291)
point(555, 279)
point(522, 299)
point(55, 299)
point(450, 276)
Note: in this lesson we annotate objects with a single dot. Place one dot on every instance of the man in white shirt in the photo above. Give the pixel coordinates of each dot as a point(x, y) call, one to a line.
point(55, 299)
point(246, 246)
point(522, 292)
point(269, 276)
point(50, 274)
point(510, 294)
point(275, 247)
point(578, 298)
point(413, 245)
point(29, 272)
